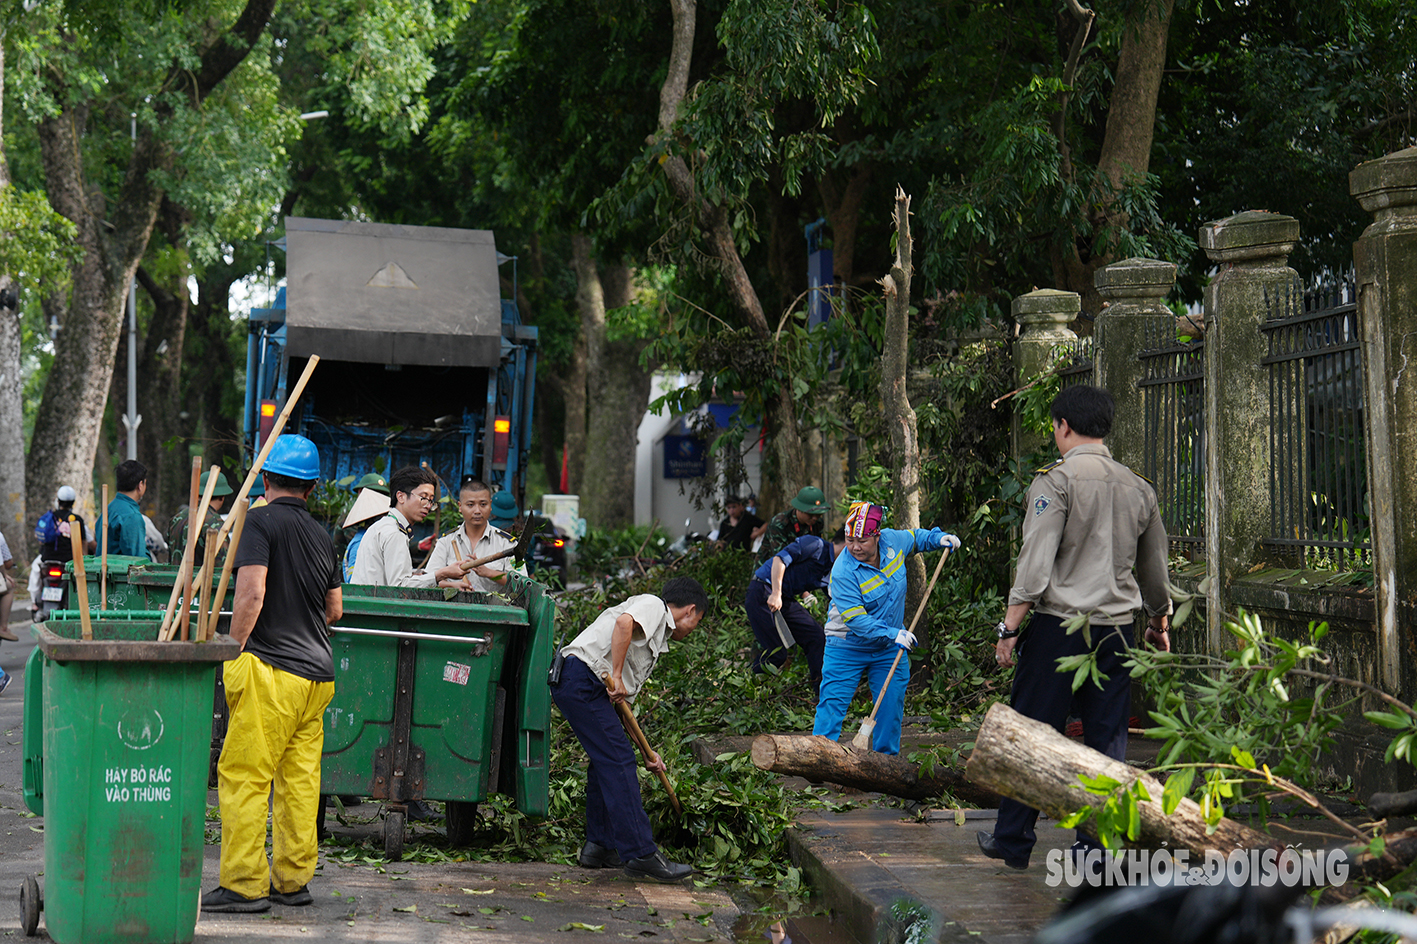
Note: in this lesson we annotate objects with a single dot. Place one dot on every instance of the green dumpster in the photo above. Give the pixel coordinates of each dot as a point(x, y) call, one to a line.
point(122, 595)
point(125, 733)
point(440, 696)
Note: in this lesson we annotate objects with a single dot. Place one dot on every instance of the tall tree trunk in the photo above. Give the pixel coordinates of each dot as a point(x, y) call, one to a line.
point(616, 393)
point(210, 324)
point(160, 390)
point(12, 417)
point(780, 421)
point(1126, 145)
point(841, 204)
point(895, 399)
point(114, 237)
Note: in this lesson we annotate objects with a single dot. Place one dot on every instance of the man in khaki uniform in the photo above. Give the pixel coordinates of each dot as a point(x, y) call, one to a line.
point(1093, 544)
point(474, 540)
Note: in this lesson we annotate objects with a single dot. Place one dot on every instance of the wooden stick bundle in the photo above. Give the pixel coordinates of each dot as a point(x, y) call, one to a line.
point(81, 580)
point(240, 515)
point(172, 620)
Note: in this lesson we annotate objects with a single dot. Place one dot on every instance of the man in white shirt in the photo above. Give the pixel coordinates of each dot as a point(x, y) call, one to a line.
point(622, 645)
point(475, 540)
point(384, 559)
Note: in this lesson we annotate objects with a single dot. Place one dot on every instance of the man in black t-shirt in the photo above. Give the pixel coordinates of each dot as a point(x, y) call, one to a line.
point(287, 594)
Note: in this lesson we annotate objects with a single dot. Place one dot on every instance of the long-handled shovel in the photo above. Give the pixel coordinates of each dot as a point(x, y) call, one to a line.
point(103, 561)
point(862, 741)
point(632, 728)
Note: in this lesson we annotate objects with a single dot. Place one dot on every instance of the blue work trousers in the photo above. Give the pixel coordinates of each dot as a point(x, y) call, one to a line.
point(1042, 693)
point(615, 815)
point(847, 659)
point(805, 630)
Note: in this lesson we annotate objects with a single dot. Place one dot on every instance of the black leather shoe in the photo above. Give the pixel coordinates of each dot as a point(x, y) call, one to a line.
point(420, 812)
point(301, 896)
point(991, 849)
point(658, 868)
point(595, 856)
point(225, 900)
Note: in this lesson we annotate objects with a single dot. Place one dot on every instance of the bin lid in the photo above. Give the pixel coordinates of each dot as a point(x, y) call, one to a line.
point(64, 649)
point(117, 564)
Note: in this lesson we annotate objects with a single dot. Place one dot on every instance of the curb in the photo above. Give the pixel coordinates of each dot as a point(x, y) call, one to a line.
point(871, 903)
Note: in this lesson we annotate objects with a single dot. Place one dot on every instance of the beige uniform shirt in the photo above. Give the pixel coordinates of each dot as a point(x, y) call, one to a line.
point(1089, 522)
point(650, 640)
point(493, 541)
point(384, 560)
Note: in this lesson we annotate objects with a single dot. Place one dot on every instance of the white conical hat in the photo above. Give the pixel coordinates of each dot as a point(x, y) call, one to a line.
point(367, 504)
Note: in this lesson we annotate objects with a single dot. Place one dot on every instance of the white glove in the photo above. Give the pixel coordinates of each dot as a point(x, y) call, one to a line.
point(906, 639)
point(950, 542)
point(809, 600)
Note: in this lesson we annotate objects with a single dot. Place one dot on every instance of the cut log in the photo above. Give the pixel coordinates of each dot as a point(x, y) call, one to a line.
point(820, 758)
point(1384, 805)
point(1034, 764)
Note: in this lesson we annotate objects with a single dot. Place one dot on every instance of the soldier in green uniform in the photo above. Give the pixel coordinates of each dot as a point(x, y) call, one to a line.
point(177, 530)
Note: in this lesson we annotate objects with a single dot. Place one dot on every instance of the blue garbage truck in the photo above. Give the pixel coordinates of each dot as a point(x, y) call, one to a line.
point(421, 358)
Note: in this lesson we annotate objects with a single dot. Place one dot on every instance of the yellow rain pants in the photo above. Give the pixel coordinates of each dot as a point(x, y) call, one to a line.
point(273, 739)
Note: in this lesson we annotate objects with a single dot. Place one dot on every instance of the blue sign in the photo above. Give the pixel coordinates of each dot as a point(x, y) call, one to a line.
point(685, 457)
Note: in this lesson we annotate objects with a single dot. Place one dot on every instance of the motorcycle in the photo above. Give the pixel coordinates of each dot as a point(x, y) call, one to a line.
point(51, 590)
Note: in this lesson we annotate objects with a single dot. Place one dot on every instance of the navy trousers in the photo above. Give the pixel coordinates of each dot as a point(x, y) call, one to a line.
point(614, 813)
point(805, 630)
point(1042, 693)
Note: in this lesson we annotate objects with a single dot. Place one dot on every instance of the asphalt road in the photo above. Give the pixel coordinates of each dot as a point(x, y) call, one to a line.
point(408, 901)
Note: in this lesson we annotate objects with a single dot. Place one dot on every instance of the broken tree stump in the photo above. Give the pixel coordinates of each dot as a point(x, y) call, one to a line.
point(1034, 764)
point(821, 758)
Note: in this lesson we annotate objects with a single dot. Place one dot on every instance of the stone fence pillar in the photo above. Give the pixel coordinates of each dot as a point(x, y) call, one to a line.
point(1043, 317)
point(1385, 257)
point(1135, 320)
point(1251, 250)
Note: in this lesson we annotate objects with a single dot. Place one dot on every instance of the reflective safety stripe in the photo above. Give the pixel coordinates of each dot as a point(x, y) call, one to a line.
point(873, 583)
point(894, 565)
point(854, 612)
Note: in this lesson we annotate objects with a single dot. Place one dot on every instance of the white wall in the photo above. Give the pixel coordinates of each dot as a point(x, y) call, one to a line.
point(657, 497)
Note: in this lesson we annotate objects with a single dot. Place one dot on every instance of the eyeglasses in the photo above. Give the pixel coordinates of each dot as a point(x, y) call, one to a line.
point(426, 499)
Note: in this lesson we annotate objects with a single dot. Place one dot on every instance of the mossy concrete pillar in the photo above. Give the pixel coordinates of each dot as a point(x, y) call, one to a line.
point(1042, 317)
point(1135, 319)
point(1385, 257)
point(1251, 250)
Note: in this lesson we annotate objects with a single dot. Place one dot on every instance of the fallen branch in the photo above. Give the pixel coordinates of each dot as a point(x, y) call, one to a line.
point(821, 758)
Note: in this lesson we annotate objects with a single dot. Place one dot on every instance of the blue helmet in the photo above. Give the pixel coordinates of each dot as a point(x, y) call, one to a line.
point(294, 456)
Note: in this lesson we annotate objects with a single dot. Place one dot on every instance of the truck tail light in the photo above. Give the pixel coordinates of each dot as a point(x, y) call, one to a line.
point(501, 436)
point(268, 420)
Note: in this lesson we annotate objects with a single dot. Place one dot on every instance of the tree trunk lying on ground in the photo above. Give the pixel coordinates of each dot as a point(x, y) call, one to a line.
point(1034, 764)
point(1384, 805)
point(820, 758)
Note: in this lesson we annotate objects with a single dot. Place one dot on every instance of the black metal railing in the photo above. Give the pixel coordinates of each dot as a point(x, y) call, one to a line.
point(1318, 481)
point(1172, 386)
point(1077, 364)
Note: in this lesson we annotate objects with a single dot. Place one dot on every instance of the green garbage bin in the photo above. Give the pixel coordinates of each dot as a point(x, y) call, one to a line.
point(122, 595)
point(440, 696)
point(123, 780)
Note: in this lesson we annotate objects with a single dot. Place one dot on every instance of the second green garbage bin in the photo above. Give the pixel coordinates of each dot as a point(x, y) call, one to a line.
point(126, 734)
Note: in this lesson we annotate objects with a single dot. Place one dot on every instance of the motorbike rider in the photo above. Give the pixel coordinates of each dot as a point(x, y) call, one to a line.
point(54, 527)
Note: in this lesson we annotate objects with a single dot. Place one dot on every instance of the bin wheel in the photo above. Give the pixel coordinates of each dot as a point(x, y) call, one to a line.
point(30, 904)
point(393, 835)
point(461, 820)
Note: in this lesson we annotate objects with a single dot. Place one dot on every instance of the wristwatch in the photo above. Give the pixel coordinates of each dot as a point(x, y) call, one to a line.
point(1003, 631)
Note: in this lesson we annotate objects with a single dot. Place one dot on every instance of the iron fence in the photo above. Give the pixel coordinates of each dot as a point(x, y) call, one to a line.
point(1172, 387)
point(1077, 364)
point(1318, 481)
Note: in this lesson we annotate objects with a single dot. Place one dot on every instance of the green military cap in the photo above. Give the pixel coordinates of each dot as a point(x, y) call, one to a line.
point(375, 481)
point(811, 500)
point(222, 489)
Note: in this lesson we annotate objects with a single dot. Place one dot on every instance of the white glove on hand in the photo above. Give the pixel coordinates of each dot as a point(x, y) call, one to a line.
point(950, 541)
point(906, 639)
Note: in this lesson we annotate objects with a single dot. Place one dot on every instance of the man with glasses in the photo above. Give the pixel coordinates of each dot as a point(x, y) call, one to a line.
point(384, 558)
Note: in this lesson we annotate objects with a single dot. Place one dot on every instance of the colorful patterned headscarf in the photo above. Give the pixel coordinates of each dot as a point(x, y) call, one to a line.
point(864, 520)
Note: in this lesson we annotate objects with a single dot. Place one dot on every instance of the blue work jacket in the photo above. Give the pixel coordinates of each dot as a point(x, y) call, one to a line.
point(809, 562)
point(872, 599)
